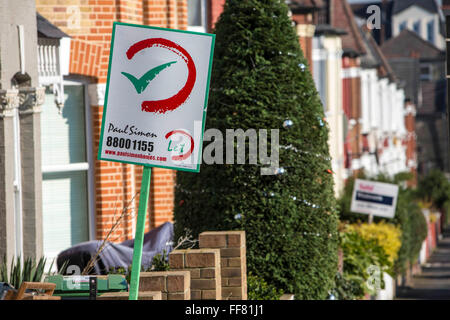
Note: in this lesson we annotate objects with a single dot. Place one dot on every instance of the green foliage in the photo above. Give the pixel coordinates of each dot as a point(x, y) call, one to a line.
point(414, 230)
point(348, 287)
point(259, 289)
point(159, 262)
point(387, 235)
point(260, 79)
point(446, 210)
point(28, 271)
point(434, 188)
point(360, 254)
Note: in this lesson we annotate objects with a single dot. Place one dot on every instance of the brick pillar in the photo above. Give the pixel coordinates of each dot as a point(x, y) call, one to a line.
point(233, 261)
point(173, 285)
point(204, 266)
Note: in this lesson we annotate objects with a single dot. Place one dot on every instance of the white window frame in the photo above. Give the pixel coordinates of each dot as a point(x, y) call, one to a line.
point(82, 166)
point(417, 23)
point(402, 26)
point(204, 19)
point(433, 32)
point(425, 77)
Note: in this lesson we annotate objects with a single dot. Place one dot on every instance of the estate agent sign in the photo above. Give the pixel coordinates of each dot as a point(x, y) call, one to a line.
point(374, 198)
point(155, 107)
point(156, 97)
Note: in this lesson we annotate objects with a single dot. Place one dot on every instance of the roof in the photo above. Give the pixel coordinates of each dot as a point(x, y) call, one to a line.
point(341, 16)
point(429, 5)
point(370, 59)
point(407, 71)
point(48, 30)
point(409, 44)
point(374, 58)
point(305, 4)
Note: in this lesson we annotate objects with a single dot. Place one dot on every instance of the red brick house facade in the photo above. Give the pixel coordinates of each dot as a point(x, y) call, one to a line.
point(89, 23)
point(341, 16)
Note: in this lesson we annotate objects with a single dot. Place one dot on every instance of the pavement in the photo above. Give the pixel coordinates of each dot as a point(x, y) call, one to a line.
point(433, 283)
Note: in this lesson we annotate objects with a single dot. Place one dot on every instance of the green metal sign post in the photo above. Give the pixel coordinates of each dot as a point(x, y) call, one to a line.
point(139, 237)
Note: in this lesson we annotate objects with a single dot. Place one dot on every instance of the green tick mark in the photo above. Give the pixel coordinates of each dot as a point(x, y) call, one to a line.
point(142, 83)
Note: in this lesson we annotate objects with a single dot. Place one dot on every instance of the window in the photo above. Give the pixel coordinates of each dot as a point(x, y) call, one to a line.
point(430, 31)
point(425, 72)
point(65, 166)
point(416, 27)
point(402, 26)
point(197, 15)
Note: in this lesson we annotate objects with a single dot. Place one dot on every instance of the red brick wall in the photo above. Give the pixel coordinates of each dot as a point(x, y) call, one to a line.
point(85, 57)
point(351, 93)
point(307, 47)
point(410, 140)
point(89, 23)
point(215, 9)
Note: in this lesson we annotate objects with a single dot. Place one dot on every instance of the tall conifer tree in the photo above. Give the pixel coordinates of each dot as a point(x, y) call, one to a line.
point(260, 80)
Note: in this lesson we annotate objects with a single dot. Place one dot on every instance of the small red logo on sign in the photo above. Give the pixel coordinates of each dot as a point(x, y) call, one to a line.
point(182, 156)
point(365, 187)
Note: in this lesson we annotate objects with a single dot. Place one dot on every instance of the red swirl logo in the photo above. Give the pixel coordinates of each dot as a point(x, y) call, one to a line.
point(172, 103)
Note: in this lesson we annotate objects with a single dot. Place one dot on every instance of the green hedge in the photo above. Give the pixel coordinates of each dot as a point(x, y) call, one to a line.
point(260, 79)
point(259, 289)
point(435, 189)
point(359, 255)
point(414, 230)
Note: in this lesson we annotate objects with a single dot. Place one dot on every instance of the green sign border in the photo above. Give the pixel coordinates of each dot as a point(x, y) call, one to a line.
point(99, 157)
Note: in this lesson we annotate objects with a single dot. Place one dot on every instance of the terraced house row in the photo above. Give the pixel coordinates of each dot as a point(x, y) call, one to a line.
point(55, 193)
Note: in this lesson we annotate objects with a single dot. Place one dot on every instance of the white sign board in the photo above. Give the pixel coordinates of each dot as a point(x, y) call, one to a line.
point(156, 97)
point(374, 198)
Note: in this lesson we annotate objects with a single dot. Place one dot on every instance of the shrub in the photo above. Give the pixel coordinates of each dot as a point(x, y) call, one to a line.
point(446, 211)
point(348, 287)
point(434, 188)
point(385, 234)
point(160, 262)
point(410, 218)
point(359, 254)
point(28, 271)
point(260, 78)
point(259, 289)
